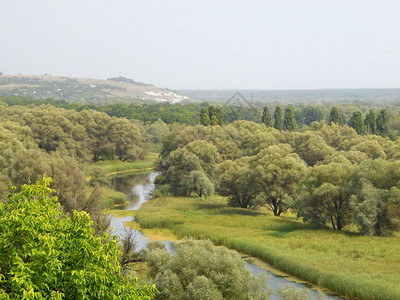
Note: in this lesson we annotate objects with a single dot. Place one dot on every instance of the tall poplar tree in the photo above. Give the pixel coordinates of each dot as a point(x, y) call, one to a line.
point(335, 117)
point(370, 122)
point(278, 118)
point(382, 122)
point(357, 123)
point(266, 117)
point(289, 123)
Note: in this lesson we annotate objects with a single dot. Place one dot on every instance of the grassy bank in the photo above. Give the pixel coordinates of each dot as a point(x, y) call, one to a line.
point(116, 166)
point(351, 265)
point(111, 198)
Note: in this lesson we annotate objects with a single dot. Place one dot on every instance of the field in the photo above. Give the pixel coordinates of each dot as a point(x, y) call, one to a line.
point(354, 266)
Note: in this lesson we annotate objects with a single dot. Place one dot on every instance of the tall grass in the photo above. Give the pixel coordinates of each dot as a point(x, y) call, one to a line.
point(115, 166)
point(354, 266)
point(111, 198)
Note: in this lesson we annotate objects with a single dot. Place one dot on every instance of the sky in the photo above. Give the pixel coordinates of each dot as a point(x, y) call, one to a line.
point(207, 44)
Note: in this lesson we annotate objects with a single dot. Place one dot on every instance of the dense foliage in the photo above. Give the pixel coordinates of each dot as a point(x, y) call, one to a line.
point(199, 270)
point(48, 254)
point(386, 124)
point(328, 173)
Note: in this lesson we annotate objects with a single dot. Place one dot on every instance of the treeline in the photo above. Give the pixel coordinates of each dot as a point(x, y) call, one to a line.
point(329, 174)
point(299, 116)
point(37, 140)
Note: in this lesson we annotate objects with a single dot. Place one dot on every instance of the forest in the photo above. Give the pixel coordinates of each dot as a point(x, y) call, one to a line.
point(324, 169)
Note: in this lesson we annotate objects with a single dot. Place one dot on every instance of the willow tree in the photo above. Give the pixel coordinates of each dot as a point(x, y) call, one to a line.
point(327, 194)
point(277, 174)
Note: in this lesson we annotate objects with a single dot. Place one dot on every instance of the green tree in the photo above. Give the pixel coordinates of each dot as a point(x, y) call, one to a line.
point(266, 117)
point(289, 123)
point(312, 113)
point(357, 123)
point(278, 123)
point(327, 193)
point(204, 117)
point(215, 114)
point(310, 147)
point(47, 254)
point(335, 117)
point(236, 182)
point(377, 204)
point(201, 184)
point(382, 121)
point(125, 138)
point(277, 174)
point(370, 122)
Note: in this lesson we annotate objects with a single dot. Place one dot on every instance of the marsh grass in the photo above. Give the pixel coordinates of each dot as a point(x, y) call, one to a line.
point(351, 265)
point(111, 198)
point(116, 166)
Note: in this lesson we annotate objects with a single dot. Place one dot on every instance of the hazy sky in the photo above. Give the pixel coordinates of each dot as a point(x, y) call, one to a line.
point(207, 44)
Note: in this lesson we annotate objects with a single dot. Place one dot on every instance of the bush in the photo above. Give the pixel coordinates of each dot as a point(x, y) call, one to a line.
point(202, 271)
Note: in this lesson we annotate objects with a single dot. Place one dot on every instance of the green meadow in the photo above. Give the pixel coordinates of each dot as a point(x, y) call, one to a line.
point(354, 266)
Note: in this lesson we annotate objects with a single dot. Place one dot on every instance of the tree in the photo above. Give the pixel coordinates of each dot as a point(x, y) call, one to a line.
point(370, 122)
point(335, 117)
point(182, 163)
point(277, 174)
point(201, 184)
point(199, 270)
point(236, 182)
point(47, 254)
point(289, 123)
point(357, 123)
point(377, 204)
point(266, 117)
point(215, 114)
point(125, 138)
point(371, 148)
point(327, 193)
point(69, 178)
point(204, 117)
point(278, 123)
point(312, 113)
point(382, 121)
point(310, 147)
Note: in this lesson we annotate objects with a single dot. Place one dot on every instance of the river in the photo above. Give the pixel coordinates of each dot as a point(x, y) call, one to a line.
point(137, 188)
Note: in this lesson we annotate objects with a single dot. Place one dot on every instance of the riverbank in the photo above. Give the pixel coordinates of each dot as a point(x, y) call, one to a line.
point(116, 168)
point(351, 265)
point(113, 167)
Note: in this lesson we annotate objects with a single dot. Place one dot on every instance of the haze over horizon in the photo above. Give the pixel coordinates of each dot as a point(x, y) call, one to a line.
point(207, 45)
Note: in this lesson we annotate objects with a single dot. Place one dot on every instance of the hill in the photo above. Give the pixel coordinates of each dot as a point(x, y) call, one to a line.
point(84, 90)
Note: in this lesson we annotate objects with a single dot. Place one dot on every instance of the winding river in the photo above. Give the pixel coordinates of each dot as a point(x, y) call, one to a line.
point(137, 188)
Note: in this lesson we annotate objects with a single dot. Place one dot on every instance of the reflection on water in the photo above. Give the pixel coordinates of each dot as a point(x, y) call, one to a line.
point(137, 188)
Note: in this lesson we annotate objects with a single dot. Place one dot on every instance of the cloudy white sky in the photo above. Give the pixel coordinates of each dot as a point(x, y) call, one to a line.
point(207, 44)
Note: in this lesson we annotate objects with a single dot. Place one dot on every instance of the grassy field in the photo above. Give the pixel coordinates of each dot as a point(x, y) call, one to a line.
point(115, 166)
point(351, 265)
